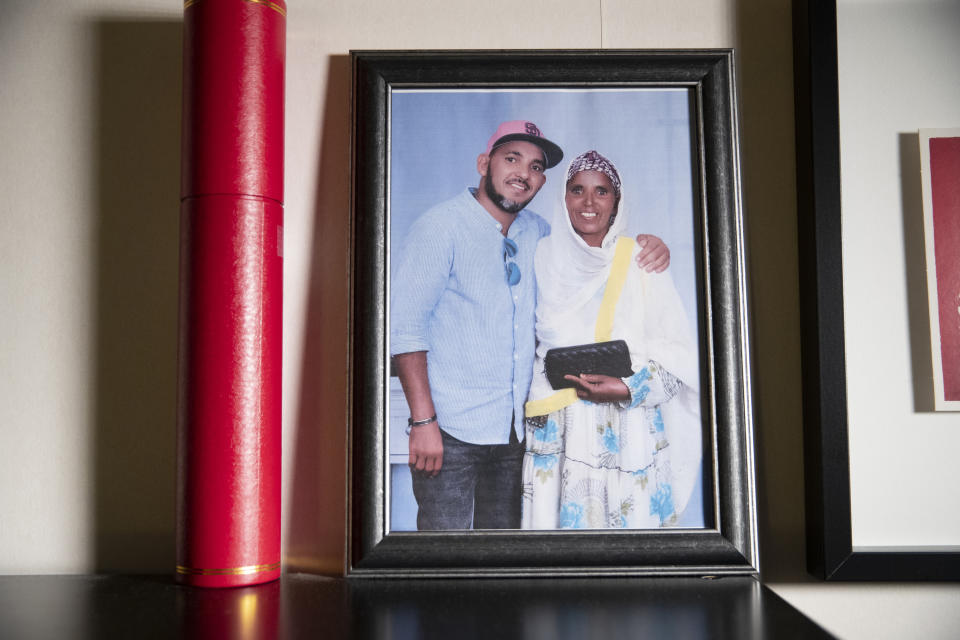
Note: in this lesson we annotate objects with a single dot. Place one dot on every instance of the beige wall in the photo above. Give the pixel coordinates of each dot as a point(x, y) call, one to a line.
point(89, 236)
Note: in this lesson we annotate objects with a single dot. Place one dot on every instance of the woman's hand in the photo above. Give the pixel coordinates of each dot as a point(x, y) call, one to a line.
point(426, 449)
point(598, 388)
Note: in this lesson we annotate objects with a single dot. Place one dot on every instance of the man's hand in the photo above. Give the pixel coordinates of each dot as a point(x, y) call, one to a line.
point(426, 445)
point(597, 388)
point(426, 449)
point(654, 255)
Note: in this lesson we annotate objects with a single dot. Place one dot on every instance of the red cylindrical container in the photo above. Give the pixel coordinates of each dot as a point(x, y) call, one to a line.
point(231, 284)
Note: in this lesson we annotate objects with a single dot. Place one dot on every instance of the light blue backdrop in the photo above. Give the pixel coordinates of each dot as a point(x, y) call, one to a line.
point(436, 136)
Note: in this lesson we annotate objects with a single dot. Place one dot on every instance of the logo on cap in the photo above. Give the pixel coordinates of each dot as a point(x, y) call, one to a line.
point(525, 130)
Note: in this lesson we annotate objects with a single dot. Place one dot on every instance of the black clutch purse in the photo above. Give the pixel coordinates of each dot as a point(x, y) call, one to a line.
point(604, 358)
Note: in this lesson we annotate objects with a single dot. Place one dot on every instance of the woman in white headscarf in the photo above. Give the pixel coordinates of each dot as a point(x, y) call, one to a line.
point(609, 452)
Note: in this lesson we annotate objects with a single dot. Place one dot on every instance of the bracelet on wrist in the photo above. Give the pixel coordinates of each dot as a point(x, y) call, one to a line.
point(419, 423)
point(411, 423)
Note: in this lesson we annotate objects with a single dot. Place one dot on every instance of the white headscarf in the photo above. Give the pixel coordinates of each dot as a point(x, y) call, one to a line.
point(569, 271)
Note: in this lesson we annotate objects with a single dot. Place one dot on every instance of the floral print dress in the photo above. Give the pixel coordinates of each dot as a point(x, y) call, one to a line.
point(600, 466)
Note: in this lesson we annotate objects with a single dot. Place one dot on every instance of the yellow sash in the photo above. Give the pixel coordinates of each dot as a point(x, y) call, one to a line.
point(602, 332)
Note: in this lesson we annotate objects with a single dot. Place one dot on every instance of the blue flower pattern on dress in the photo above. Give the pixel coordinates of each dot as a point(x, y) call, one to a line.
point(638, 388)
point(611, 441)
point(545, 461)
point(661, 503)
point(548, 433)
point(658, 420)
point(583, 507)
point(571, 515)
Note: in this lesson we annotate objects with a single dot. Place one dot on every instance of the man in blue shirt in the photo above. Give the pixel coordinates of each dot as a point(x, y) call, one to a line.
point(462, 334)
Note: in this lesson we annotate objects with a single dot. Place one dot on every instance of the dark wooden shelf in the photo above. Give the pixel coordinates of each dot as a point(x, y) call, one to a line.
point(303, 606)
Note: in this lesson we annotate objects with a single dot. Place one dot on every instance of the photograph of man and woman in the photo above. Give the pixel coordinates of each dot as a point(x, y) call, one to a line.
point(521, 222)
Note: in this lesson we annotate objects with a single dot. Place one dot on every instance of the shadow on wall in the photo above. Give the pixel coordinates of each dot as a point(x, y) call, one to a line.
point(768, 158)
point(317, 525)
point(137, 160)
point(915, 259)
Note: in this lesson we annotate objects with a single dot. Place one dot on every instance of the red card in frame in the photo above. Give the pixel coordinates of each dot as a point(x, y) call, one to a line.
point(940, 168)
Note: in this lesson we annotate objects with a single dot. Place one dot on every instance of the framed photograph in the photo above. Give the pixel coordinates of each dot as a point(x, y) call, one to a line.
point(880, 468)
point(940, 183)
point(550, 347)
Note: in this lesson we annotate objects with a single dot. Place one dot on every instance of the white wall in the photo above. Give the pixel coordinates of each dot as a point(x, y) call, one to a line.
point(905, 483)
point(896, 62)
point(57, 205)
point(88, 227)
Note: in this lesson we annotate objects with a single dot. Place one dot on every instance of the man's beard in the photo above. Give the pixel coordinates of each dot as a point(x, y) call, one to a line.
point(502, 202)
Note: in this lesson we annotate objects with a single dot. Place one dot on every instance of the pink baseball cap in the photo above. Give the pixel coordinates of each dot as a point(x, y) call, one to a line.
point(525, 130)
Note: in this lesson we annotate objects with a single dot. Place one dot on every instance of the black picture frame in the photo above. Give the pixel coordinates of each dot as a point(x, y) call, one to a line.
point(830, 551)
point(729, 545)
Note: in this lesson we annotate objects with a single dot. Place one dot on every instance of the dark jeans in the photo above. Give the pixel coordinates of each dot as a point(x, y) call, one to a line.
point(478, 487)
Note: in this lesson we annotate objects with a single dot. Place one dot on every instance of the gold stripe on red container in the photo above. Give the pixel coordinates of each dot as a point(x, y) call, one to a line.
point(232, 571)
point(265, 3)
point(271, 5)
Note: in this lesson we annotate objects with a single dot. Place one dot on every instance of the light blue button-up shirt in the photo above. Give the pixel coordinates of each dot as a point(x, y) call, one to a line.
point(450, 298)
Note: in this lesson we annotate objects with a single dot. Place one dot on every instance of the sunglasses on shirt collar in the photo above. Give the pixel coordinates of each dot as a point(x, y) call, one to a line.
point(510, 249)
